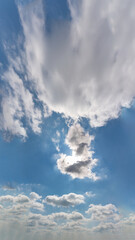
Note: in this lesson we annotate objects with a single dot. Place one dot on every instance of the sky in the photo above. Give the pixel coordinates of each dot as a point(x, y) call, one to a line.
point(67, 110)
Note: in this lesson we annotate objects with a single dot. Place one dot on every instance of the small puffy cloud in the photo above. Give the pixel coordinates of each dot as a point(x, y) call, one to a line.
point(78, 140)
point(104, 213)
point(81, 163)
point(57, 218)
point(22, 202)
point(35, 196)
point(21, 199)
point(6, 198)
point(105, 227)
point(74, 216)
point(14, 199)
point(130, 220)
point(17, 210)
point(37, 205)
point(72, 226)
point(76, 168)
point(41, 220)
point(66, 200)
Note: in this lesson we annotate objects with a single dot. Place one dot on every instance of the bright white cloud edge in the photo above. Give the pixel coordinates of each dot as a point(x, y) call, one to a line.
point(94, 78)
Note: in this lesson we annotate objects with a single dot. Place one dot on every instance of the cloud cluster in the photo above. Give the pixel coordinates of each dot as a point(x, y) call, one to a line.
point(129, 221)
point(21, 202)
point(105, 227)
point(74, 216)
point(104, 213)
point(107, 217)
point(35, 196)
point(14, 199)
point(65, 200)
point(94, 78)
point(24, 210)
point(80, 164)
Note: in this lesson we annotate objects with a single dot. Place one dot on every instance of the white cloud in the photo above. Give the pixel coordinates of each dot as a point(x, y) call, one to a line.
point(21, 203)
point(73, 227)
point(73, 216)
point(14, 199)
point(65, 200)
point(41, 220)
point(37, 205)
point(35, 196)
point(94, 78)
point(105, 227)
point(18, 210)
point(57, 220)
point(130, 220)
point(21, 199)
point(90, 79)
point(80, 164)
point(103, 213)
point(6, 198)
point(16, 105)
point(79, 141)
point(76, 168)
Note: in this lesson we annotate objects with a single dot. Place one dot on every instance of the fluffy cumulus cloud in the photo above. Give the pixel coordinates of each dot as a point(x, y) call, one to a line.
point(55, 220)
point(80, 164)
point(24, 210)
point(65, 200)
point(129, 221)
point(17, 199)
point(35, 196)
point(105, 227)
point(104, 213)
point(18, 211)
point(74, 216)
point(94, 78)
point(21, 202)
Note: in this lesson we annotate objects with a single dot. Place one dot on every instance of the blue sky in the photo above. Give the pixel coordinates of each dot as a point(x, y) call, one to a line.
point(67, 119)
